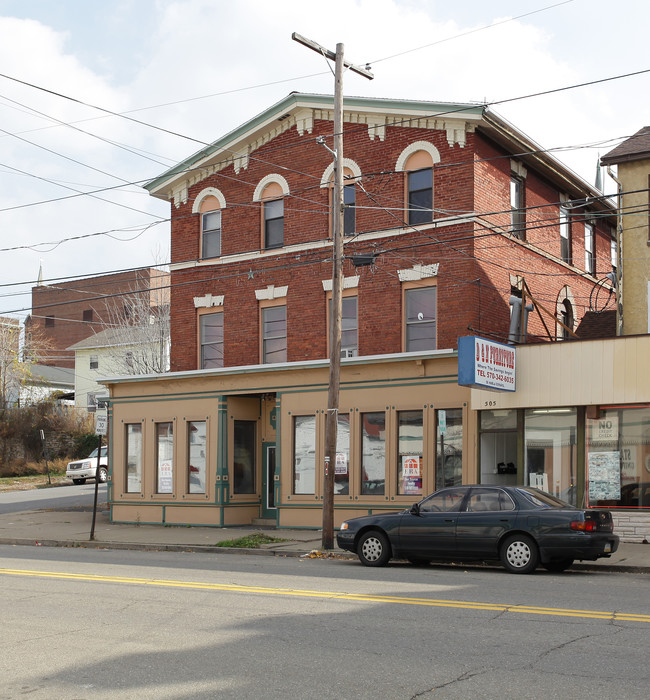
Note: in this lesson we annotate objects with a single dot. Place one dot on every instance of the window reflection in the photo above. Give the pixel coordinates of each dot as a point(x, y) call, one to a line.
point(373, 453)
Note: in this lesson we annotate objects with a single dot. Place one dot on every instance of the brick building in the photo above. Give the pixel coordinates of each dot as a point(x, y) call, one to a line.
point(451, 216)
point(67, 312)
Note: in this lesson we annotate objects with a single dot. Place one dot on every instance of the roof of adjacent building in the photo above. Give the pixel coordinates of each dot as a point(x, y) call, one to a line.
point(104, 339)
point(637, 147)
point(46, 374)
point(597, 324)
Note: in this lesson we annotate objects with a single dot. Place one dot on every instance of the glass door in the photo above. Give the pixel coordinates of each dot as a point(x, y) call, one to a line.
point(269, 508)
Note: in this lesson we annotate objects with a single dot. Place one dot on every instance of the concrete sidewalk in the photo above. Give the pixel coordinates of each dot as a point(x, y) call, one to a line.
point(71, 528)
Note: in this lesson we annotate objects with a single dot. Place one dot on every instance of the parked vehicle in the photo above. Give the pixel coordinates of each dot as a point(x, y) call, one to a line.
point(86, 468)
point(517, 525)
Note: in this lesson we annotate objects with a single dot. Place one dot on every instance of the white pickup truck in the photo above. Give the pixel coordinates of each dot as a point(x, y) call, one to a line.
point(83, 469)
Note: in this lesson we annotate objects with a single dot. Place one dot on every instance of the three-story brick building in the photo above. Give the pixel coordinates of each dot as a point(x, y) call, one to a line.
point(449, 213)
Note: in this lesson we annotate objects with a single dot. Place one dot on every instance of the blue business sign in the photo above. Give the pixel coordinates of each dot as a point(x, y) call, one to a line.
point(484, 364)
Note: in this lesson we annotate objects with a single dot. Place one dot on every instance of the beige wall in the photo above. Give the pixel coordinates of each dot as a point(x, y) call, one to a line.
point(635, 248)
point(581, 373)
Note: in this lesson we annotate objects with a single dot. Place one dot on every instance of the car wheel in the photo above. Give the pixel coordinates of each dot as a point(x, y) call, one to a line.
point(558, 565)
point(103, 475)
point(519, 554)
point(78, 481)
point(373, 549)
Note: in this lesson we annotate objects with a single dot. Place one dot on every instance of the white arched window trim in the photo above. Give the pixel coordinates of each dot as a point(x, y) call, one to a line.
point(208, 192)
point(414, 148)
point(328, 175)
point(266, 181)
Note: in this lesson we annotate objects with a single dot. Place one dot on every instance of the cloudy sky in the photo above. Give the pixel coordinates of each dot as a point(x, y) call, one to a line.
point(189, 71)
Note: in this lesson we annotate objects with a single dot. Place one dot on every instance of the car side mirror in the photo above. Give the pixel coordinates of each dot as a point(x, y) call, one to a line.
point(415, 509)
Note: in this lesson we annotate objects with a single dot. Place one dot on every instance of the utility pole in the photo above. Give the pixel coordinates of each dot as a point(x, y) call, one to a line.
point(331, 426)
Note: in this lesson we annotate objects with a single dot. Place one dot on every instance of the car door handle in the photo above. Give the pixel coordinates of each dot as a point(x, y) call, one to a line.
point(449, 520)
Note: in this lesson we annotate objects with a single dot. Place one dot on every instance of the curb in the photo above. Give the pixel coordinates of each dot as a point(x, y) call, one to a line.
point(213, 549)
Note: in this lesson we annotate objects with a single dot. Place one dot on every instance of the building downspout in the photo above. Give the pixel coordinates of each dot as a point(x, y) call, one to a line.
point(619, 255)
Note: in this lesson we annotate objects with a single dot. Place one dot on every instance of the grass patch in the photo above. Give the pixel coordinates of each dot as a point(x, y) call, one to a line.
point(254, 541)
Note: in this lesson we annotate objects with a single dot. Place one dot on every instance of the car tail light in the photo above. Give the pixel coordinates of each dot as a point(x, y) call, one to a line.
point(584, 525)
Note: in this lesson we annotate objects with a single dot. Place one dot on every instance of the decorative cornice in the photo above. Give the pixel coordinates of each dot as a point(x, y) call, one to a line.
point(418, 272)
point(271, 292)
point(269, 179)
point(208, 192)
point(208, 300)
point(348, 283)
point(327, 177)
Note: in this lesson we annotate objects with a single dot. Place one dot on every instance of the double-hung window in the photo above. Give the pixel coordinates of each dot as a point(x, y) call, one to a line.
point(349, 217)
point(590, 257)
point(211, 234)
point(517, 212)
point(211, 340)
point(349, 326)
point(420, 318)
point(420, 196)
point(274, 223)
point(565, 234)
point(274, 334)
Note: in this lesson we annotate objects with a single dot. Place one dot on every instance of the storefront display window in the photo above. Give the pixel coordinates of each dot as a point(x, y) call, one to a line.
point(165, 457)
point(618, 457)
point(550, 444)
point(373, 454)
point(449, 447)
point(134, 458)
point(304, 454)
point(498, 443)
point(342, 469)
point(196, 456)
point(244, 457)
point(410, 451)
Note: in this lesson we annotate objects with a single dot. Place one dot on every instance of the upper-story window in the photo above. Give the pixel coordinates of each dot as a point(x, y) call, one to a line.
point(349, 325)
point(274, 223)
point(420, 196)
point(274, 334)
point(49, 321)
point(271, 191)
point(87, 315)
point(211, 340)
point(565, 234)
point(209, 204)
point(417, 160)
point(420, 318)
point(351, 173)
point(590, 253)
point(517, 211)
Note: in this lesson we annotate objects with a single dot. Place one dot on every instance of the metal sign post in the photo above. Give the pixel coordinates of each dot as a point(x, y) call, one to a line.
point(101, 425)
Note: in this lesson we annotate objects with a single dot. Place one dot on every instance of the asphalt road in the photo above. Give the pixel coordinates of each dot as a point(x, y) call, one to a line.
point(59, 497)
point(88, 624)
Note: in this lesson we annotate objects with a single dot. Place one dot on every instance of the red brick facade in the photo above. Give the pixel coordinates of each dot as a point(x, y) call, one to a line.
point(469, 239)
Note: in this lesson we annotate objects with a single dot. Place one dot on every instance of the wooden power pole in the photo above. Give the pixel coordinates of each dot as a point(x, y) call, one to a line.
point(331, 426)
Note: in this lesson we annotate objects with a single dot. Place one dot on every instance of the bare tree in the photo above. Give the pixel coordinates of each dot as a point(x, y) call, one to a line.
point(135, 333)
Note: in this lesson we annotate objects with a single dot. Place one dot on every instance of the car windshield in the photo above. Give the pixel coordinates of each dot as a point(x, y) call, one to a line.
point(94, 453)
point(541, 498)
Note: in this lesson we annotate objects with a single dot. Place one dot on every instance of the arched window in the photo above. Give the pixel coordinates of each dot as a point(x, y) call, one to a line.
point(564, 310)
point(271, 192)
point(209, 204)
point(417, 160)
point(351, 173)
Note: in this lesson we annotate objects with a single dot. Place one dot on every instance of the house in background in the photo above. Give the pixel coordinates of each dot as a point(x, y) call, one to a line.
point(632, 161)
point(46, 383)
point(122, 351)
point(452, 219)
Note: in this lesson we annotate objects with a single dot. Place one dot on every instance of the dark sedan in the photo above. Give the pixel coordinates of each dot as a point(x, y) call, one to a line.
point(520, 526)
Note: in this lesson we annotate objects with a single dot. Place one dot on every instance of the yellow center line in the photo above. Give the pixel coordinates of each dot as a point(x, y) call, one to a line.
point(332, 595)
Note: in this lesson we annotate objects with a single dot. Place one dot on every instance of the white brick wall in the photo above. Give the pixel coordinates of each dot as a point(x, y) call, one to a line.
point(632, 526)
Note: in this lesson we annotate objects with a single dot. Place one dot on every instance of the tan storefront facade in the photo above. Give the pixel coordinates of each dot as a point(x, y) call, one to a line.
point(243, 445)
